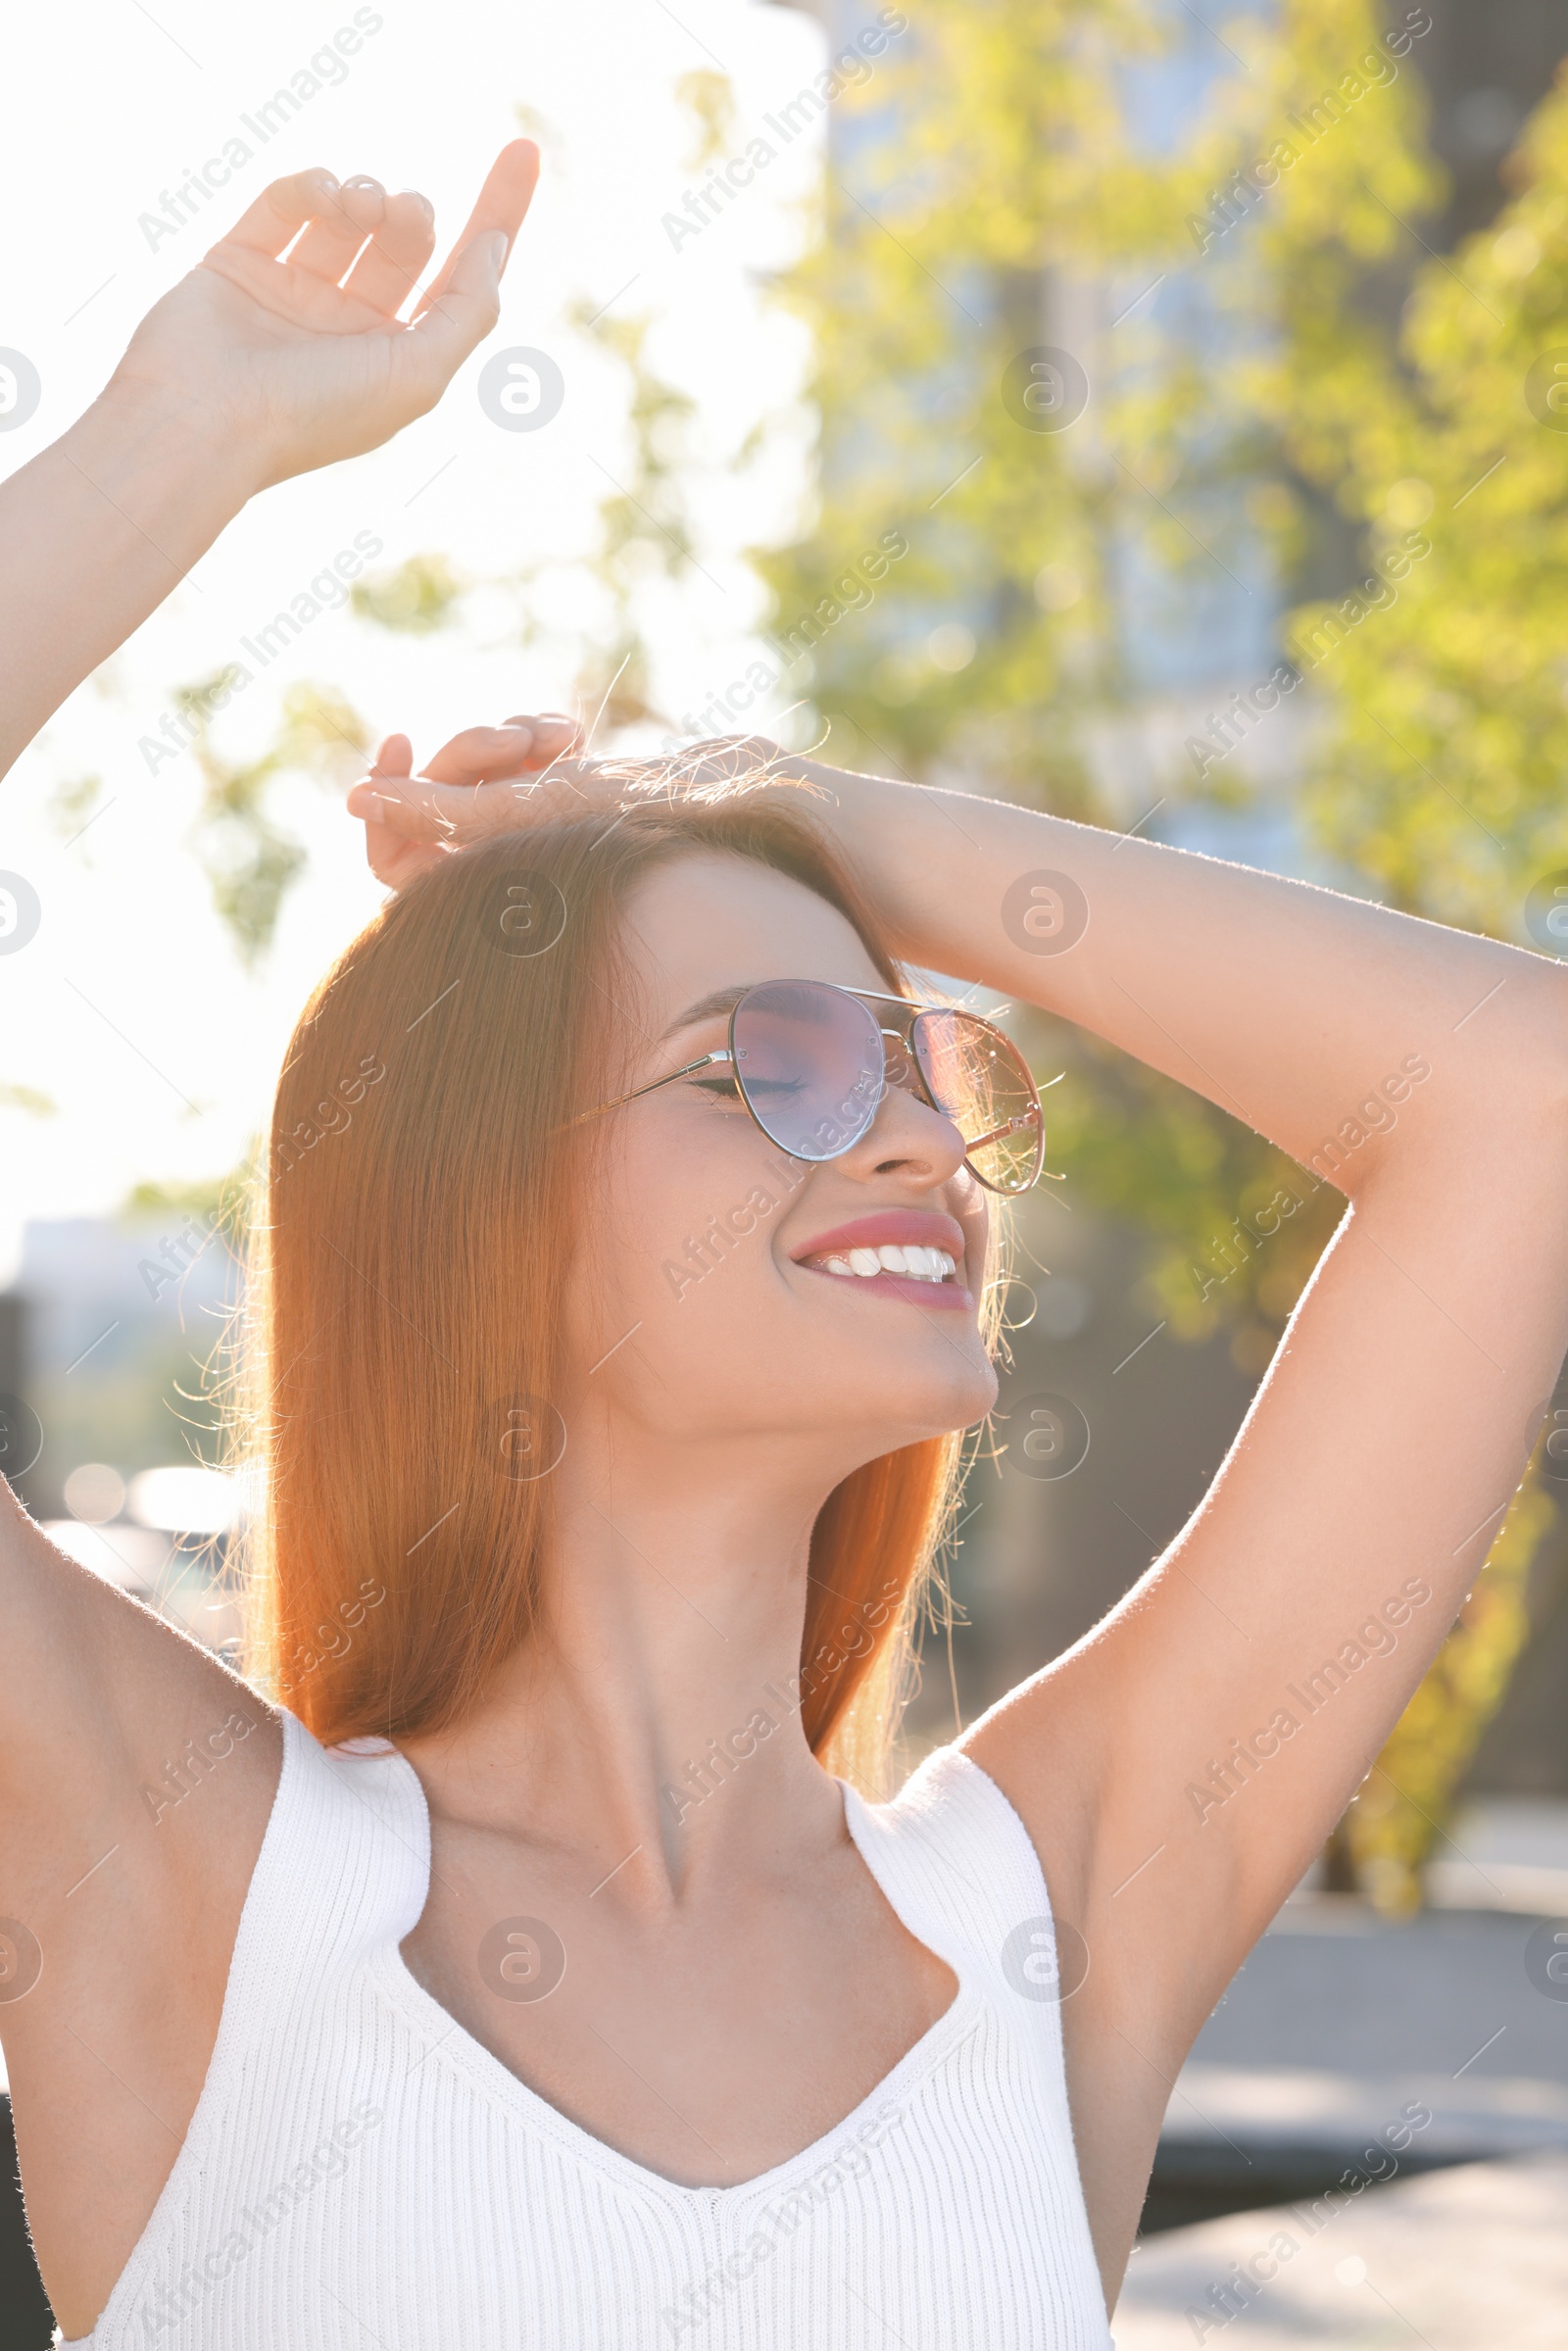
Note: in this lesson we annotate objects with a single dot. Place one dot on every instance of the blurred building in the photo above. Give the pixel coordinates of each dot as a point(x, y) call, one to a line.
point(125, 1323)
point(114, 1340)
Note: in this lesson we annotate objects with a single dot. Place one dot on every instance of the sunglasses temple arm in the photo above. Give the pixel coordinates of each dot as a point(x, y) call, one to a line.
point(637, 1092)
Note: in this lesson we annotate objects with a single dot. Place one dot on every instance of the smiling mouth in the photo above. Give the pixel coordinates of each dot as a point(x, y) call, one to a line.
point(913, 1262)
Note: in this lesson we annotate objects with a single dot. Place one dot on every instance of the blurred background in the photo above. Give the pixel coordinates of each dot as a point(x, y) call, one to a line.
point(990, 392)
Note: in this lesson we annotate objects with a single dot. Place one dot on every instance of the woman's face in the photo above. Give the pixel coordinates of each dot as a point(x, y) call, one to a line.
point(710, 1246)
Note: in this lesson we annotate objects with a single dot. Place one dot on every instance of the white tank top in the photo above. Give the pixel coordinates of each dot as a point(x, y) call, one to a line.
point(361, 2172)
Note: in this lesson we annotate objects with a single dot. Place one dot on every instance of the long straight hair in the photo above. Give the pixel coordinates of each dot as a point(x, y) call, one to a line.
point(421, 1199)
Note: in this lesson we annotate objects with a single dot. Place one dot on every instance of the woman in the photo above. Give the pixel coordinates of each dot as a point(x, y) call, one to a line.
point(526, 1976)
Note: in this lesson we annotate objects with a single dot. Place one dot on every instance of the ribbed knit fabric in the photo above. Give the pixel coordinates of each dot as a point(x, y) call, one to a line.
point(361, 2172)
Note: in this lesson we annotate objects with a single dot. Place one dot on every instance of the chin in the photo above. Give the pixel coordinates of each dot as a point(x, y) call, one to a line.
point(906, 1408)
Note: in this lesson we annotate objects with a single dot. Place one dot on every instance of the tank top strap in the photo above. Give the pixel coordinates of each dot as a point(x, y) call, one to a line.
point(961, 1871)
point(344, 1867)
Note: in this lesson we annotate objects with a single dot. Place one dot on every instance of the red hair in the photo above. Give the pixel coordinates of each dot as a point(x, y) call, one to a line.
point(406, 1290)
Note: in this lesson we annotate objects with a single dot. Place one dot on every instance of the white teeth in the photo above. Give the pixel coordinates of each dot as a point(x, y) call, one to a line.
point(909, 1258)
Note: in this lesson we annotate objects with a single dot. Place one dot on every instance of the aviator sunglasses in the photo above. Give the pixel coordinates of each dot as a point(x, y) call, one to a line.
point(810, 1061)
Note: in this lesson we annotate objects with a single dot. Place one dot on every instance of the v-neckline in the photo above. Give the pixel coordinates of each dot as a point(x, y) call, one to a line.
point(491, 2075)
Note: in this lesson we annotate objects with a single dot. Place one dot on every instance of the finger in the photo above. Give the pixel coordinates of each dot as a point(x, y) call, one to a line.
point(388, 269)
point(502, 200)
point(417, 810)
point(333, 238)
point(408, 808)
point(394, 756)
point(281, 211)
point(393, 860)
point(490, 754)
point(551, 729)
point(441, 338)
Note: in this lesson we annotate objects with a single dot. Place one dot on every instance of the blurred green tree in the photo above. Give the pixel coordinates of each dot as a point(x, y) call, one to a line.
point(1369, 410)
point(249, 860)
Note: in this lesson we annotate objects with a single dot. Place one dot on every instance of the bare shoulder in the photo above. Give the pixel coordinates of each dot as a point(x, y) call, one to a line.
point(1039, 1746)
point(139, 1774)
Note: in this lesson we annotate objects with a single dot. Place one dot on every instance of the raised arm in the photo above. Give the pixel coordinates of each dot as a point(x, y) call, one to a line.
point(136, 1772)
point(1283, 1003)
point(1180, 1766)
point(252, 369)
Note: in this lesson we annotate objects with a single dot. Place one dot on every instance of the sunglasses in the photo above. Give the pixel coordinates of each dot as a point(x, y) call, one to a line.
point(811, 1061)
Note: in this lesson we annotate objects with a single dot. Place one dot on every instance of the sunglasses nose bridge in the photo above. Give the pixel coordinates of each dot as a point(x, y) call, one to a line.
point(892, 1133)
point(900, 1067)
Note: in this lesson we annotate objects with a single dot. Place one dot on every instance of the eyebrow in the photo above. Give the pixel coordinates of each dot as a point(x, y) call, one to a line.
point(708, 1008)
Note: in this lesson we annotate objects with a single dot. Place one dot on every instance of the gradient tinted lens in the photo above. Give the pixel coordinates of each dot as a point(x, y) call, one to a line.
point(983, 1083)
point(808, 1059)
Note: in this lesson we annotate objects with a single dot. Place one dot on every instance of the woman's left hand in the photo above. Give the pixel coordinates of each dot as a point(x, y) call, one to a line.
point(498, 779)
point(489, 779)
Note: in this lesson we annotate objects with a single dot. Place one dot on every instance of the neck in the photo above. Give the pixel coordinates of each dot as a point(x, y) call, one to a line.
point(657, 1713)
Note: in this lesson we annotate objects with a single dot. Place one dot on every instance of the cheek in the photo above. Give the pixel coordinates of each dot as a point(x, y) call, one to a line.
point(673, 1225)
point(971, 1203)
point(674, 1221)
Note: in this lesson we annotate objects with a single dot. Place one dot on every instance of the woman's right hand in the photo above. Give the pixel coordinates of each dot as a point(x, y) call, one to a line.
point(252, 369)
point(297, 363)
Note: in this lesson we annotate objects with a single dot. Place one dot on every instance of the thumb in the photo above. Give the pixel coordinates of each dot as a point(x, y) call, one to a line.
point(465, 310)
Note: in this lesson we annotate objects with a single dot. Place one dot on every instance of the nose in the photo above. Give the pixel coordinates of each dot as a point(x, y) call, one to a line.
point(907, 1139)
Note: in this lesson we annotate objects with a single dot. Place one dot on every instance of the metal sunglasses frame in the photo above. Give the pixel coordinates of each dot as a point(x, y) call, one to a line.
point(903, 1036)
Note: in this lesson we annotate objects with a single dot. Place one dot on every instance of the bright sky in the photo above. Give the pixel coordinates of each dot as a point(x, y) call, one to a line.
point(104, 108)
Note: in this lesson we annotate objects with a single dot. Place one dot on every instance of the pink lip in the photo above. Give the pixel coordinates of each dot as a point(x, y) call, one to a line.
point(927, 1228)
